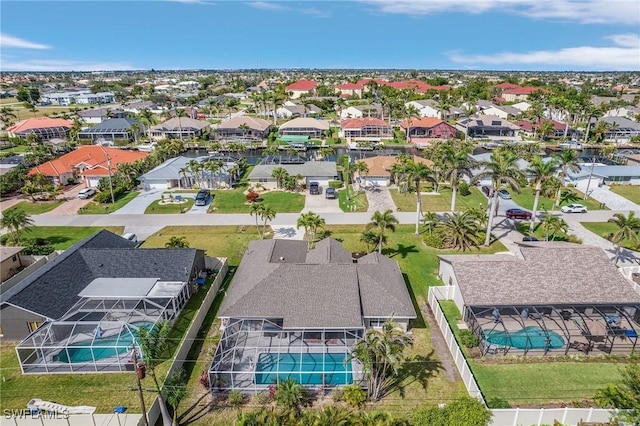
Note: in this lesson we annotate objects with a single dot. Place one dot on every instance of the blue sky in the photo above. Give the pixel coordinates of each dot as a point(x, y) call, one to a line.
point(422, 34)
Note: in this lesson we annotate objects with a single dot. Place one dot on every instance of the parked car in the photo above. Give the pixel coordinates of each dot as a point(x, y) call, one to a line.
point(504, 194)
point(574, 208)
point(518, 214)
point(87, 193)
point(314, 188)
point(331, 193)
point(130, 236)
point(487, 190)
point(530, 238)
point(202, 197)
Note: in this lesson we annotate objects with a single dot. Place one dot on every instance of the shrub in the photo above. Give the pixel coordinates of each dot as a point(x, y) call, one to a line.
point(252, 196)
point(104, 197)
point(337, 395)
point(354, 395)
point(335, 184)
point(38, 250)
point(262, 398)
point(498, 403)
point(468, 339)
point(204, 379)
point(435, 239)
point(235, 398)
point(573, 239)
point(463, 187)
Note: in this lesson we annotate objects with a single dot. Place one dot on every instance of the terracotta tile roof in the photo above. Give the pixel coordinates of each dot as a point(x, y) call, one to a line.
point(426, 122)
point(528, 126)
point(416, 85)
point(381, 165)
point(91, 156)
point(302, 85)
point(521, 90)
point(38, 123)
point(350, 86)
point(358, 123)
point(506, 85)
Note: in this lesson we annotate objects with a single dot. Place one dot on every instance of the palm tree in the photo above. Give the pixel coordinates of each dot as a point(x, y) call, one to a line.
point(180, 112)
point(431, 221)
point(545, 129)
point(154, 343)
point(590, 112)
point(361, 168)
point(501, 168)
point(541, 172)
point(567, 161)
point(256, 208)
point(417, 173)
point(326, 152)
point(380, 354)
point(15, 220)
point(279, 173)
point(381, 222)
point(629, 228)
point(175, 390)
point(267, 214)
point(370, 238)
point(289, 394)
point(410, 112)
point(311, 222)
point(177, 242)
point(552, 224)
point(148, 118)
point(7, 115)
point(461, 230)
point(458, 165)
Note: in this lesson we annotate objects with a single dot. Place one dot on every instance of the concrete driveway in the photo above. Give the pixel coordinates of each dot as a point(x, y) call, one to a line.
point(319, 204)
point(379, 199)
point(139, 204)
point(73, 203)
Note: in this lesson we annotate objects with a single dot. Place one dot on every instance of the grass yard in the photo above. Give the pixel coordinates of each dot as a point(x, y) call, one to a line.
point(358, 203)
point(63, 237)
point(526, 196)
point(440, 202)
point(15, 149)
point(523, 228)
point(630, 192)
point(157, 208)
point(38, 207)
point(233, 201)
point(97, 208)
point(546, 382)
point(604, 229)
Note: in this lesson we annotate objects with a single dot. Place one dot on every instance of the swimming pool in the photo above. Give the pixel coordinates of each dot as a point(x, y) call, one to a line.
point(532, 337)
point(106, 347)
point(306, 369)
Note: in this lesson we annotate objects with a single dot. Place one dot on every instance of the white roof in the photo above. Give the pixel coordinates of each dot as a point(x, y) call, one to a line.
point(118, 287)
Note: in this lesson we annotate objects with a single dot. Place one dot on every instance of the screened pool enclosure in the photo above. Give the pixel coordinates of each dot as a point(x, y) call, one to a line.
point(100, 332)
point(256, 353)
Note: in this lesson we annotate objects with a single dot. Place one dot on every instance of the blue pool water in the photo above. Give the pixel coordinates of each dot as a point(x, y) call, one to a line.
point(102, 348)
point(528, 338)
point(306, 369)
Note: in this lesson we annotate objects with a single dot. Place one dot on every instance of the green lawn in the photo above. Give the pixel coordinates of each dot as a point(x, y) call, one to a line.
point(440, 202)
point(157, 208)
point(357, 203)
point(526, 196)
point(15, 149)
point(630, 192)
point(233, 201)
point(63, 237)
point(37, 207)
point(604, 229)
point(98, 208)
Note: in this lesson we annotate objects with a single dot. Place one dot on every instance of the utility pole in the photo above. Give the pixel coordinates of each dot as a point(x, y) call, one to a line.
point(140, 373)
point(113, 201)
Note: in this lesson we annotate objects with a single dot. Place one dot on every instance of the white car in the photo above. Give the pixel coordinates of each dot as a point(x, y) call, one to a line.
point(86, 193)
point(574, 208)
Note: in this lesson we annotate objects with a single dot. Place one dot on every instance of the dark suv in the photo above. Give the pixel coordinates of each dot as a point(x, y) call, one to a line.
point(202, 197)
point(518, 214)
point(330, 193)
point(314, 188)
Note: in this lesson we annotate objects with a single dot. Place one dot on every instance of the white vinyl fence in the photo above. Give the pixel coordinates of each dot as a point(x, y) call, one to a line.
point(512, 416)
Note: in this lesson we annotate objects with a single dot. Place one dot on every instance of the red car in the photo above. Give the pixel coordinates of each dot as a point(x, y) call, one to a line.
point(518, 214)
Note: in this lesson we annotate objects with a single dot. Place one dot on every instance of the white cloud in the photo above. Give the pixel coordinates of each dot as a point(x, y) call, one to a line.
point(265, 5)
point(584, 11)
point(623, 55)
point(62, 65)
point(7, 41)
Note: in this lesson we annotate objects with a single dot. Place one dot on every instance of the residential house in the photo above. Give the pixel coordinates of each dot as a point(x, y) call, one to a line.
point(112, 130)
point(295, 110)
point(489, 126)
point(311, 171)
point(62, 98)
point(86, 164)
point(366, 129)
point(522, 106)
point(45, 128)
point(98, 115)
point(629, 111)
point(360, 111)
point(80, 311)
point(302, 87)
point(503, 111)
point(176, 173)
point(550, 299)
point(350, 89)
point(301, 126)
point(10, 262)
point(620, 129)
point(180, 128)
point(429, 108)
point(294, 313)
point(379, 170)
point(136, 107)
point(620, 175)
point(529, 129)
point(416, 86)
point(95, 98)
point(518, 94)
point(423, 130)
point(243, 129)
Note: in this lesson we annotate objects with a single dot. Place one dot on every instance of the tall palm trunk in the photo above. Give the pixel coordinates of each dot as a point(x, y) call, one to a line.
point(454, 193)
point(535, 206)
point(494, 201)
point(418, 207)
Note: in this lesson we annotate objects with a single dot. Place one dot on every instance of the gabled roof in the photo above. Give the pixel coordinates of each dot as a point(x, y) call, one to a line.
point(104, 255)
point(325, 289)
point(325, 169)
point(426, 122)
point(358, 123)
point(380, 165)
point(302, 85)
point(7, 252)
point(38, 123)
point(302, 122)
point(90, 156)
point(350, 86)
point(252, 122)
point(546, 275)
point(185, 123)
point(521, 90)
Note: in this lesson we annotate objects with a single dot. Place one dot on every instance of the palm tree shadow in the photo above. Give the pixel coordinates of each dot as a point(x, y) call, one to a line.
point(402, 250)
point(419, 368)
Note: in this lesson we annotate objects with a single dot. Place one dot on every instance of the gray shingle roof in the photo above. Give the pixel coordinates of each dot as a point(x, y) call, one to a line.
point(322, 288)
point(113, 125)
point(53, 289)
point(547, 276)
point(310, 168)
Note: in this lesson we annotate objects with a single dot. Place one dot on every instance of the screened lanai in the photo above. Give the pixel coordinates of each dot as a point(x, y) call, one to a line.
point(256, 353)
point(99, 333)
point(556, 329)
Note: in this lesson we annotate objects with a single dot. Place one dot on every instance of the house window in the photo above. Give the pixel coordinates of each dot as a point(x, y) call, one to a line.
point(377, 322)
point(33, 325)
point(14, 258)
